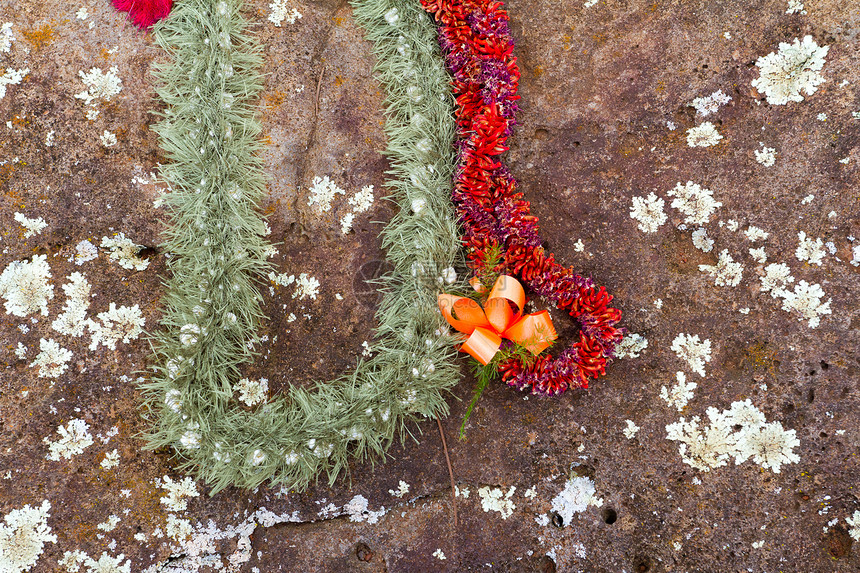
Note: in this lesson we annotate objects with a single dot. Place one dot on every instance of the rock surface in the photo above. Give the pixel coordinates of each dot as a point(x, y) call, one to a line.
point(606, 94)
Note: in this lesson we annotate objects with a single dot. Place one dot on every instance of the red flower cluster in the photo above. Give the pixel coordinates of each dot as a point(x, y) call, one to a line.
point(144, 13)
point(478, 47)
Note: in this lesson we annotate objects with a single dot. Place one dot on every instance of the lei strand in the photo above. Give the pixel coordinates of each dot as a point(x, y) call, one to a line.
point(218, 256)
point(144, 13)
point(478, 48)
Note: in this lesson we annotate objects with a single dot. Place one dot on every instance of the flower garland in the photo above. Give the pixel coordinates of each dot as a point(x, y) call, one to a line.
point(218, 257)
point(144, 13)
point(478, 47)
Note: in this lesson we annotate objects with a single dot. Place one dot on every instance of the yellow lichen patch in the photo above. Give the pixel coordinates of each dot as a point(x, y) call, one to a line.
point(274, 99)
point(761, 358)
point(40, 37)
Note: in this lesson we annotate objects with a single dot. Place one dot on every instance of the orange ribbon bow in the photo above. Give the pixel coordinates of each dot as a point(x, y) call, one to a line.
point(487, 326)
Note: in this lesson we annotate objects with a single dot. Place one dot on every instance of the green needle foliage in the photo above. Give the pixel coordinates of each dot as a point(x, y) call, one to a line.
point(217, 258)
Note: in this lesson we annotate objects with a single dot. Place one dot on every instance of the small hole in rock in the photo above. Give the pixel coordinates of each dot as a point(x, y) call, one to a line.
point(609, 516)
point(824, 365)
point(810, 397)
point(641, 564)
point(363, 552)
point(557, 520)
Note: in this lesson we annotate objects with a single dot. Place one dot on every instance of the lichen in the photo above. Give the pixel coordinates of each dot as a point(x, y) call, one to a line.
point(25, 286)
point(23, 537)
point(648, 211)
point(791, 70)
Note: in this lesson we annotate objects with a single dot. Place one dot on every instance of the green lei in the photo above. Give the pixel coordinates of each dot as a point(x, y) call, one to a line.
point(218, 256)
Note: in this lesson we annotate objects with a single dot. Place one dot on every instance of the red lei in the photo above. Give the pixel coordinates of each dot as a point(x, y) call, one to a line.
point(144, 13)
point(478, 48)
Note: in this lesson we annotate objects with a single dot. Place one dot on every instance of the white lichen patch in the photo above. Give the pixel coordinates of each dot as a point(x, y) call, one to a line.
point(124, 323)
point(280, 12)
point(710, 104)
point(703, 135)
point(107, 564)
point(754, 234)
point(791, 70)
point(681, 392)
point(758, 255)
point(402, 489)
point(795, 7)
point(23, 537)
point(739, 433)
point(74, 438)
point(363, 200)
point(306, 287)
point(100, 85)
point(25, 286)
point(726, 272)
point(805, 300)
point(6, 38)
point(124, 251)
point(252, 392)
point(630, 429)
point(701, 240)
point(346, 223)
point(648, 211)
point(111, 460)
point(323, 191)
point(766, 155)
point(52, 359)
point(72, 321)
point(12, 77)
point(109, 524)
point(809, 250)
point(578, 494)
point(85, 251)
point(695, 202)
point(439, 554)
point(854, 522)
point(177, 528)
point(177, 492)
point(357, 510)
point(630, 346)
point(770, 447)
point(695, 353)
point(73, 560)
point(776, 279)
point(31, 226)
point(108, 138)
point(492, 499)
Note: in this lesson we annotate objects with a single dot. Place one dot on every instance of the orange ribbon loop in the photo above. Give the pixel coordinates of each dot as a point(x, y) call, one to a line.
point(487, 326)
